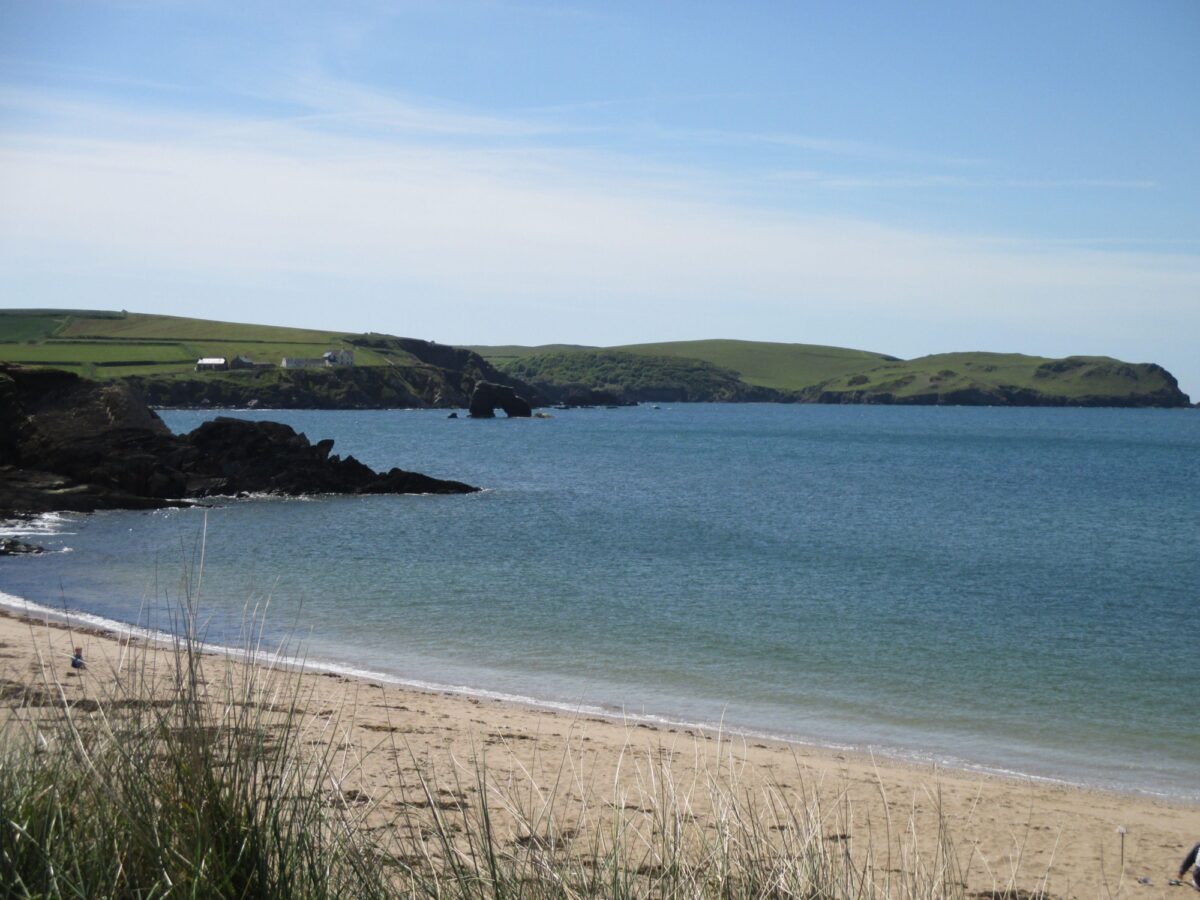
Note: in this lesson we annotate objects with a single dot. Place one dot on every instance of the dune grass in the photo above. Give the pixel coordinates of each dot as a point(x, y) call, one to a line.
point(171, 786)
point(200, 778)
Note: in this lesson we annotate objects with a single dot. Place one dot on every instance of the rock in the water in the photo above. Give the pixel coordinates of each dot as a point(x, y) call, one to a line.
point(487, 396)
point(12, 547)
point(69, 444)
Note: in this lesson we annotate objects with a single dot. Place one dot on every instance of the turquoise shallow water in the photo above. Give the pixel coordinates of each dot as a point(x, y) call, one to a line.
point(1016, 589)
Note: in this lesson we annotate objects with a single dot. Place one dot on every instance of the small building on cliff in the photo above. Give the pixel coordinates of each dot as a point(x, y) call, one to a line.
point(211, 364)
point(330, 359)
point(244, 362)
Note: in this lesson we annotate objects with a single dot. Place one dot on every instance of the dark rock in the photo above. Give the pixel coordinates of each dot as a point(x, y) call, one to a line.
point(12, 547)
point(452, 415)
point(487, 396)
point(70, 444)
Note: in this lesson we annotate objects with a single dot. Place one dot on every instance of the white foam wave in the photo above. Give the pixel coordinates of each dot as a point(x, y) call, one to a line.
point(40, 525)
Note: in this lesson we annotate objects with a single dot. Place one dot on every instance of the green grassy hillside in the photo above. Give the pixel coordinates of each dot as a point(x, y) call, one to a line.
point(785, 367)
point(112, 344)
point(502, 353)
point(812, 373)
point(159, 353)
point(633, 377)
point(1006, 378)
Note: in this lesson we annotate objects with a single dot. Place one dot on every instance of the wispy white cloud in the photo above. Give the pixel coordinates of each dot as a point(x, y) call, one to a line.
point(840, 180)
point(826, 145)
point(347, 102)
point(587, 247)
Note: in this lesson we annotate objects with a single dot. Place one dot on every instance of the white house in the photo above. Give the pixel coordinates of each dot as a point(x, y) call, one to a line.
point(300, 362)
point(211, 363)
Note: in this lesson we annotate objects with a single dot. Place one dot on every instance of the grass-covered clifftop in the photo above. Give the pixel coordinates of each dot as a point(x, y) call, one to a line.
point(1006, 379)
point(723, 370)
point(158, 354)
point(784, 367)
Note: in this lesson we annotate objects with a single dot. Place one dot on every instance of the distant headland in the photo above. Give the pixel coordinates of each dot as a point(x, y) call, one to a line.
point(181, 362)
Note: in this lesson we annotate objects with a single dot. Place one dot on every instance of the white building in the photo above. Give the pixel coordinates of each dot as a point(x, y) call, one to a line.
point(329, 359)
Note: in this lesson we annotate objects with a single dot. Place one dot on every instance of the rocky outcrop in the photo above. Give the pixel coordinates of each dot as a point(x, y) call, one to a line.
point(13, 547)
point(70, 444)
point(237, 456)
point(488, 396)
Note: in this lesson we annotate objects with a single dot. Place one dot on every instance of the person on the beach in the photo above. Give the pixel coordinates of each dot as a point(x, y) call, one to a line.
point(1191, 861)
point(77, 660)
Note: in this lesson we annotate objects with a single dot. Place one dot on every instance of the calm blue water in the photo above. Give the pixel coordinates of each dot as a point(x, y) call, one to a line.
point(1010, 588)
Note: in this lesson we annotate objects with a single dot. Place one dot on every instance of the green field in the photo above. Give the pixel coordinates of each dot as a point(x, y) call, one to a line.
point(1075, 378)
point(20, 327)
point(786, 367)
point(135, 326)
point(502, 353)
point(106, 344)
point(809, 372)
point(633, 376)
point(114, 344)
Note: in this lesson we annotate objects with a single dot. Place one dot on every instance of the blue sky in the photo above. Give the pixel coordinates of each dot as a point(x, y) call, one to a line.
point(908, 178)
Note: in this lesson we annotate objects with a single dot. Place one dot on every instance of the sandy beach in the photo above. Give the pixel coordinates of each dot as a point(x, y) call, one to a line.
point(565, 776)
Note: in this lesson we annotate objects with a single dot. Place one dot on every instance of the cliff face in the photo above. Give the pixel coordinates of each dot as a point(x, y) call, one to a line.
point(70, 444)
point(422, 374)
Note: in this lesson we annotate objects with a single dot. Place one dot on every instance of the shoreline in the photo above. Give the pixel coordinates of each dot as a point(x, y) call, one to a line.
point(911, 759)
point(1009, 833)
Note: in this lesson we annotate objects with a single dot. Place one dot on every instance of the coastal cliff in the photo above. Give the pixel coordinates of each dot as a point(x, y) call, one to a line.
point(415, 375)
point(746, 371)
point(290, 368)
point(71, 444)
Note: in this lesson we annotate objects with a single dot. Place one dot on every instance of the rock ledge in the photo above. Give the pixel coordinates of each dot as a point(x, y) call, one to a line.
point(70, 444)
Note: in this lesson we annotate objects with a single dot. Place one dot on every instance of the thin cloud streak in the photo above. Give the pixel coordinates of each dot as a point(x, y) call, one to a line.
point(835, 180)
point(831, 146)
point(523, 235)
point(454, 220)
point(348, 101)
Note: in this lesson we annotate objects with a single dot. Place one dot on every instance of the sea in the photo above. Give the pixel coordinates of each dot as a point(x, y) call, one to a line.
point(1005, 590)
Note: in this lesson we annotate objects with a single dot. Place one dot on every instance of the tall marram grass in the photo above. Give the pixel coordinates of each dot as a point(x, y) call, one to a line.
point(171, 786)
point(175, 786)
point(644, 840)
